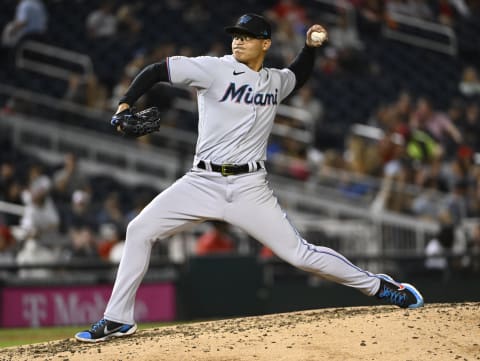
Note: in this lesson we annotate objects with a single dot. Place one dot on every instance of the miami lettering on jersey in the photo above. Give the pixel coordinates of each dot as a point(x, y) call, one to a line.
point(245, 94)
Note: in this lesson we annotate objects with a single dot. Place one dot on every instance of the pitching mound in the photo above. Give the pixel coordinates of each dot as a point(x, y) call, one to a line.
point(435, 332)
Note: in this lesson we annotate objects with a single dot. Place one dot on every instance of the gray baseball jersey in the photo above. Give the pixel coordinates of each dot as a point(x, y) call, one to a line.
point(236, 107)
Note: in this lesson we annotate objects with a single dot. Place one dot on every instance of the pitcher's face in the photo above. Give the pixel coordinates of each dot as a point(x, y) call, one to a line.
point(247, 49)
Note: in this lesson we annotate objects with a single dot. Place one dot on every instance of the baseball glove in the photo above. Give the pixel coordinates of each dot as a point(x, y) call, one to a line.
point(135, 124)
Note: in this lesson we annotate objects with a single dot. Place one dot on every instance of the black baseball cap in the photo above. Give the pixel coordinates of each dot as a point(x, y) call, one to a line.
point(251, 24)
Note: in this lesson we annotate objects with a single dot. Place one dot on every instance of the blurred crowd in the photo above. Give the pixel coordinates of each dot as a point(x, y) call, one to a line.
point(424, 160)
point(69, 217)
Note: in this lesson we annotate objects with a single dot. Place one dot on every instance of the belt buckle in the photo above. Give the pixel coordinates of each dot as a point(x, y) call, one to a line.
point(225, 171)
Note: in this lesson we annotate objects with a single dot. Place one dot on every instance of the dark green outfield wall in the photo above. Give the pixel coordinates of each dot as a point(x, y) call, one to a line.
point(225, 287)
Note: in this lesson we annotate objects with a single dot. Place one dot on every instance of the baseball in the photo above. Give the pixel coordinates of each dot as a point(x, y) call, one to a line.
point(318, 36)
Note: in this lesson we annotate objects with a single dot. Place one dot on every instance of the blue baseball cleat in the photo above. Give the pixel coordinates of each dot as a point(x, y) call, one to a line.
point(104, 330)
point(403, 295)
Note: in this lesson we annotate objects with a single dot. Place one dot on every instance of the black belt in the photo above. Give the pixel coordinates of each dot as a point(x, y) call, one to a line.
point(229, 169)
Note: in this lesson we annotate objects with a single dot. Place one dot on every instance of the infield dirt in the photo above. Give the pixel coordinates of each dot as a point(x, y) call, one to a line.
point(435, 332)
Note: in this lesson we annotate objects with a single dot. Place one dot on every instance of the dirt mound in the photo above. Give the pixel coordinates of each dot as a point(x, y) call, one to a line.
point(435, 332)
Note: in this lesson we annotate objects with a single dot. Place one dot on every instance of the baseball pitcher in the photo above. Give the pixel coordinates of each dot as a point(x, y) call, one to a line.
point(237, 101)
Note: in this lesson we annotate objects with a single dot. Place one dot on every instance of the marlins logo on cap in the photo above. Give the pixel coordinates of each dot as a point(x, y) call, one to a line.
point(251, 24)
point(244, 19)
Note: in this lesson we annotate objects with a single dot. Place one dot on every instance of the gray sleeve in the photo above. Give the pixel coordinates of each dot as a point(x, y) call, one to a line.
point(196, 72)
point(287, 82)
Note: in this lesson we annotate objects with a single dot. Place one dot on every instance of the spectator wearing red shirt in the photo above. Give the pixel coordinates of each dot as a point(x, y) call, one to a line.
point(215, 240)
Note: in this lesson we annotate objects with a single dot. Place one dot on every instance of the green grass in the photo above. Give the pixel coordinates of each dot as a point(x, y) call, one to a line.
point(24, 336)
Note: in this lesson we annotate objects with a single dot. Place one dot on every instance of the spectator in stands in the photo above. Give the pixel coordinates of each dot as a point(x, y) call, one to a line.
point(461, 168)
point(394, 117)
point(402, 107)
point(470, 125)
point(421, 147)
point(358, 163)
point(7, 176)
point(426, 204)
point(266, 253)
point(82, 244)
point(40, 224)
point(86, 90)
point(449, 12)
point(470, 82)
point(449, 241)
point(435, 123)
point(297, 165)
point(119, 89)
point(12, 194)
point(398, 174)
point(128, 24)
point(371, 16)
point(141, 200)
point(10, 190)
point(306, 100)
point(102, 22)
point(291, 11)
point(474, 197)
point(331, 164)
point(7, 243)
point(287, 154)
point(68, 179)
point(33, 253)
point(344, 35)
point(30, 22)
point(434, 169)
point(438, 247)
point(288, 40)
point(111, 212)
point(344, 38)
point(80, 212)
point(456, 203)
point(456, 112)
point(108, 238)
point(130, 70)
point(328, 63)
point(474, 249)
point(40, 218)
point(215, 241)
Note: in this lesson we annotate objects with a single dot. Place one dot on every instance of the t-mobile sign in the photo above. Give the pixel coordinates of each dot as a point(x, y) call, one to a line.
point(79, 305)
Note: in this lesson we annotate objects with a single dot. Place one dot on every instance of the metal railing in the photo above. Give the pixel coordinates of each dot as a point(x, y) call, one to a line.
point(308, 202)
point(31, 56)
point(421, 33)
point(11, 208)
point(103, 154)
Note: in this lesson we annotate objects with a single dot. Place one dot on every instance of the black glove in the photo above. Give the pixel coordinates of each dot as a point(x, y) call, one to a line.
point(135, 125)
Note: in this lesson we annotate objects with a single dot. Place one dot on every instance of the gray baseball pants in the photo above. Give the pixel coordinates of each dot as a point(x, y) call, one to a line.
point(245, 201)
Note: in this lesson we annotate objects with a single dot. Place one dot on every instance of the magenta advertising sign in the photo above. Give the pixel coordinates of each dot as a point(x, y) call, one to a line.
point(79, 305)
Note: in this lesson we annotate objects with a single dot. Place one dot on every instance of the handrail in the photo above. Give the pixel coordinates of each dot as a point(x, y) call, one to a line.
point(73, 57)
point(417, 40)
point(11, 208)
point(54, 103)
point(93, 144)
point(89, 114)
